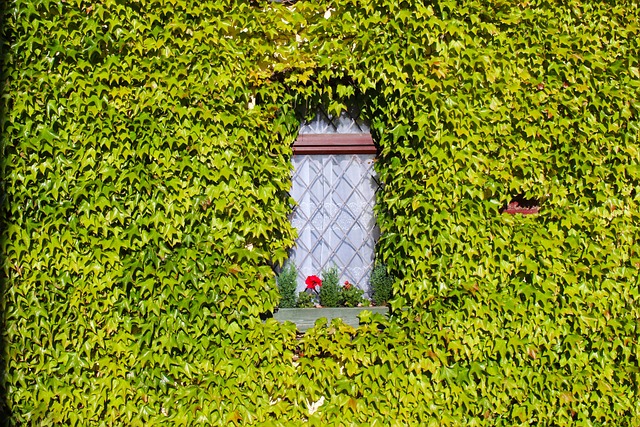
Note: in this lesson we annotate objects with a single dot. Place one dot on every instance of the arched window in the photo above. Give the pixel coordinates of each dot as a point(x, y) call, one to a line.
point(334, 186)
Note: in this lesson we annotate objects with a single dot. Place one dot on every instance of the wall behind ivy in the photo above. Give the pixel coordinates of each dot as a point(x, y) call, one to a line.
point(146, 160)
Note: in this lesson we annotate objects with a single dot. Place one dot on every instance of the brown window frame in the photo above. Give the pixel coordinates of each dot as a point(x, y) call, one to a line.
point(334, 144)
point(522, 205)
point(515, 208)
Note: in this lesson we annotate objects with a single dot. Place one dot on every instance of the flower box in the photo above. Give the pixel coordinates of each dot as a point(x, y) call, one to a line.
point(305, 318)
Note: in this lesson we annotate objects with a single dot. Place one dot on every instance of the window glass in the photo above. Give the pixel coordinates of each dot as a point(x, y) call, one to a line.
point(334, 190)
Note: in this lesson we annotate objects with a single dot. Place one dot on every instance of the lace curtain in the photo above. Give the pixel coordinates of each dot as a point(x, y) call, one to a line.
point(334, 217)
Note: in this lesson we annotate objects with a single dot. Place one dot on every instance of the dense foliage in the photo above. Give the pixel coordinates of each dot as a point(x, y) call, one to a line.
point(146, 163)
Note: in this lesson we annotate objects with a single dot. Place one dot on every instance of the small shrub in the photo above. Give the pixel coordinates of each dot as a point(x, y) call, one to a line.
point(351, 295)
point(330, 290)
point(287, 284)
point(381, 284)
point(305, 300)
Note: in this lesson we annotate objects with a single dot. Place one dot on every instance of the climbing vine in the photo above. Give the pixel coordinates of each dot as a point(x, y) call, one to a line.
point(146, 170)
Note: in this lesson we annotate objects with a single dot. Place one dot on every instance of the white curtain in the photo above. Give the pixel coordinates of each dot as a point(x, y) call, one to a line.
point(334, 217)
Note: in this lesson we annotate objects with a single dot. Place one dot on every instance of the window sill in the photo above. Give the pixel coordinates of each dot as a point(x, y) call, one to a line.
point(305, 318)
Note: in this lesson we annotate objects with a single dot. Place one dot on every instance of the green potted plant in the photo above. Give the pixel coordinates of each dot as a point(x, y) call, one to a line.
point(325, 298)
point(381, 284)
point(330, 290)
point(352, 296)
point(286, 282)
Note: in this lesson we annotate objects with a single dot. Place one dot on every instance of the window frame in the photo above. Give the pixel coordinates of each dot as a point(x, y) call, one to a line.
point(345, 143)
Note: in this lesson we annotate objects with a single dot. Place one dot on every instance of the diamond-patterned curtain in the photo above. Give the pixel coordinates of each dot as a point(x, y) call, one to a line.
point(334, 216)
point(324, 123)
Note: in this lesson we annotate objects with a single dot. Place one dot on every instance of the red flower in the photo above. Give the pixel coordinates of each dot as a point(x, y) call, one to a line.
point(312, 282)
point(347, 285)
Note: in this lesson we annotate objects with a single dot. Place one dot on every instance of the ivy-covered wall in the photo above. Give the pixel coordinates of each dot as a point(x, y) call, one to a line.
point(145, 169)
